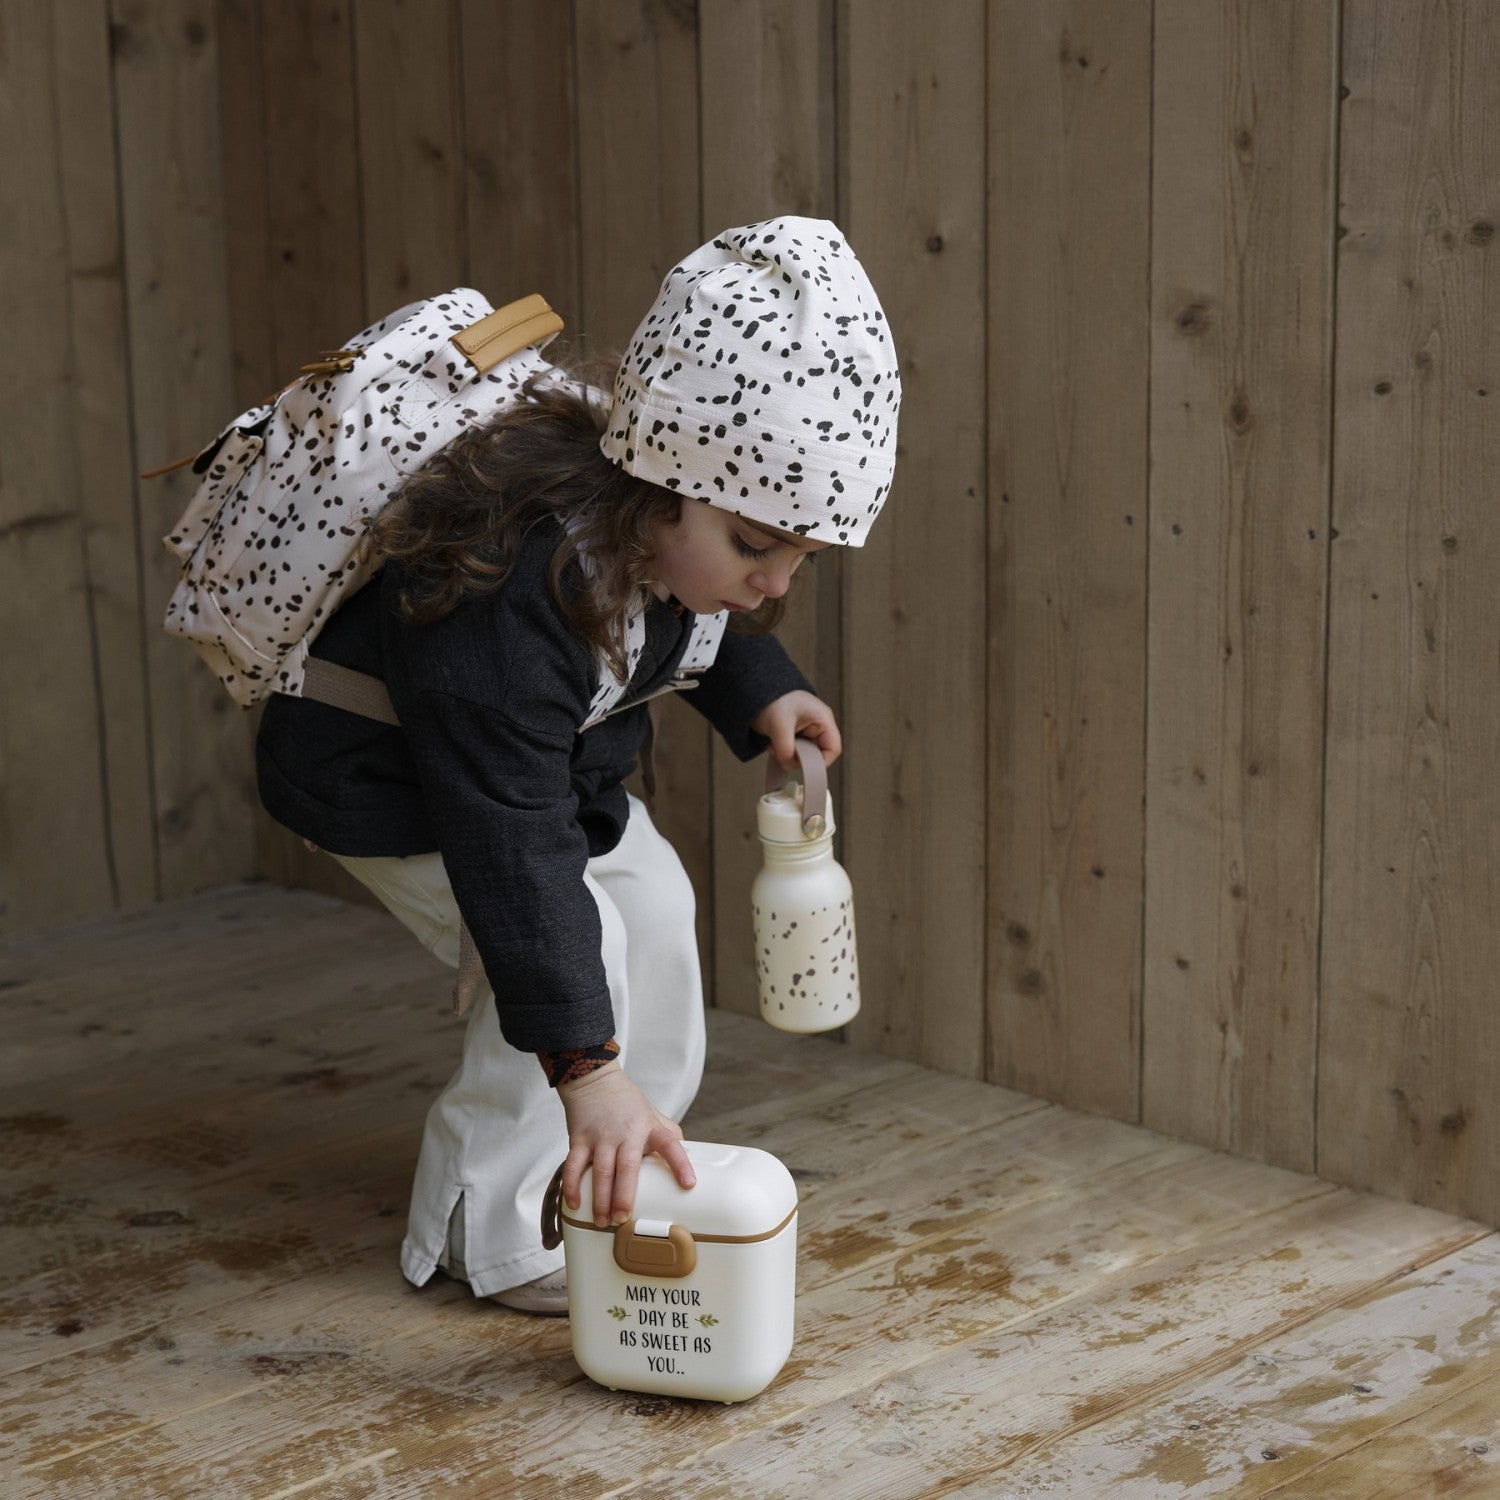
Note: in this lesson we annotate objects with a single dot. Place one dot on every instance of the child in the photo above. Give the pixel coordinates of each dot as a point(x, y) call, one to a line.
point(753, 422)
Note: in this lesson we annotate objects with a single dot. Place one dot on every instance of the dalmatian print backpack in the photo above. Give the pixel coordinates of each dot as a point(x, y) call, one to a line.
point(272, 541)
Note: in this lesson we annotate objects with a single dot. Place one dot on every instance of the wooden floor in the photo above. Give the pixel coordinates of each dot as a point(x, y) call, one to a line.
point(210, 1118)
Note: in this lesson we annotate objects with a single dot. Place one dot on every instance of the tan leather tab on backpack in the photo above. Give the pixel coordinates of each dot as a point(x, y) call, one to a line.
point(507, 330)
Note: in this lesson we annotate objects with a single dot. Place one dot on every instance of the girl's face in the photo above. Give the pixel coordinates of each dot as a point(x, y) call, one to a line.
point(712, 559)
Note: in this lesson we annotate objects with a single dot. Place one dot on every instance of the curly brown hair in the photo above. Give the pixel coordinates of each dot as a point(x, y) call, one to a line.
point(456, 524)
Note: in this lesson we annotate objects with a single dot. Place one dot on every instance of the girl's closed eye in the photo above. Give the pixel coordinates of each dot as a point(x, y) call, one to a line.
point(746, 550)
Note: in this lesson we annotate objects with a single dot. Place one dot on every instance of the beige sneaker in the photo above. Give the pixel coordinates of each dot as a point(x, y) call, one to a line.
point(547, 1296)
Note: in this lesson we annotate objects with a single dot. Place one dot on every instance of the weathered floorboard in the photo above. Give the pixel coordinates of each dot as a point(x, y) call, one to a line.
point(996, 1296)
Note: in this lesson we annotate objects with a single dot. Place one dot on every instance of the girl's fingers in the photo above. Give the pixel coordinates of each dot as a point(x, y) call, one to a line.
point(784, 743)
point(604, 1181)
point(672, 1151)
point(572, 1177)
point(627, 1173)
point(829, 742)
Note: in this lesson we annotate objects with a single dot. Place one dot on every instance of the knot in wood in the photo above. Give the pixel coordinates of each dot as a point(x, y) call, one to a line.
point(1193, 318)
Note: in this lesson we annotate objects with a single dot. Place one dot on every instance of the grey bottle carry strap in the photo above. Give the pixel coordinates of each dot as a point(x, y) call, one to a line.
point(814, 784)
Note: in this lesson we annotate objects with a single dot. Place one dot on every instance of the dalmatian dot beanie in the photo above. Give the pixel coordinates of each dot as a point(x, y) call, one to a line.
point(764, 381)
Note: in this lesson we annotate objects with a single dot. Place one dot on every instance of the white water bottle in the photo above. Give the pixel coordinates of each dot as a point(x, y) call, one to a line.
point(803, 903)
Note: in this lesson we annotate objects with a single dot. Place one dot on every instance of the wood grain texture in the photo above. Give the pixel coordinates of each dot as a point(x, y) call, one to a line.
point(1069, 227)
point(913, 684)
point(251, 182)
point(520, 152)
point(1241, 275)
point(773, 62)
point(1409, 1029)
point(412, 228)
point(166, 78)
point(965, 1422)
point(292, 246)
point(74, 740)
point(639, 162)
point(1394, 1374)
point(638, 141)
point(295, 264)
point(996, 1295)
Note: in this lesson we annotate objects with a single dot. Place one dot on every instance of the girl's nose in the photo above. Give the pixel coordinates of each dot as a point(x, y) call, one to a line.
point(776, 578)
point(773, 582)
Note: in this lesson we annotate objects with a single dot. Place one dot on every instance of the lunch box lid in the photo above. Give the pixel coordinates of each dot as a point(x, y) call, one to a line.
point(742, 1193)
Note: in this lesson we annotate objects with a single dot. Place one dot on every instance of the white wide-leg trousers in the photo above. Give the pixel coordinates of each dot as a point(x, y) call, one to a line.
point(497, 1132)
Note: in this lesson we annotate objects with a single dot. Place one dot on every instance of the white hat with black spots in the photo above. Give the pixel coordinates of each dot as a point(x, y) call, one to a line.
point(764, 380)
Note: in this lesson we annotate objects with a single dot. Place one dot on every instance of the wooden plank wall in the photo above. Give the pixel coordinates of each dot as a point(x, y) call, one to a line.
point(1410, 1032)
point(1167, 679)
point(1241, 294)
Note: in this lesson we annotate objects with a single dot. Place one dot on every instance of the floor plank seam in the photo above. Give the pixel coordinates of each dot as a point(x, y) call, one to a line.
point(332, 1474)
point(1405, 1419)
point(1221, 1229)
point(1214, 1365)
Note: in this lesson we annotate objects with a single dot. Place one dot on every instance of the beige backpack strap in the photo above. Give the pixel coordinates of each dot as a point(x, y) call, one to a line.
point(343, 687)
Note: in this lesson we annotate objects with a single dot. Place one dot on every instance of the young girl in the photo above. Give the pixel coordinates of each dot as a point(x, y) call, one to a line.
point(568, 546)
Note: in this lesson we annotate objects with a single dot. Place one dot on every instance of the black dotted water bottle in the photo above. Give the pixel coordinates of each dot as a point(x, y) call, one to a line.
point(802, 903)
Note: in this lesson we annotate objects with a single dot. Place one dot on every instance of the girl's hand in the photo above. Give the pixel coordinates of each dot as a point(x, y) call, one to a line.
point(784, 718)
point(612, 1124)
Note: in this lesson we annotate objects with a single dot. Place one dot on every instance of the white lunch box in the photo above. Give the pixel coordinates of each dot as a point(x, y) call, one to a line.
point(694, 1296)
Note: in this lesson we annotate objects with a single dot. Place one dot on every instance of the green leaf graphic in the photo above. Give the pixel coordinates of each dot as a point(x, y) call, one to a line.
point(707, 1319)
point(619, 1314)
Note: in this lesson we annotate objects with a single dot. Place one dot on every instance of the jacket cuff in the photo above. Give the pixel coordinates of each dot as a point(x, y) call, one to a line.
point(543, 1028)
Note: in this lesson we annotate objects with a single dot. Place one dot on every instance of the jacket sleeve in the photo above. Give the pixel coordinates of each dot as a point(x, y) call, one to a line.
point(490, 700)
point(749, 672)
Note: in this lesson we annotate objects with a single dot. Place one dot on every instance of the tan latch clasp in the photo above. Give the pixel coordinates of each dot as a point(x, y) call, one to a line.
point(652, 1248)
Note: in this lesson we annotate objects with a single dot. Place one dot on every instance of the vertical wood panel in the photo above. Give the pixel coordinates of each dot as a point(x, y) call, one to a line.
point(248, 176)
point(520, 156)
point(1410, 1033)
point(314, 271)
point(912, 87)
point(75, 811)
point(1070, 92)
point(172, 210)
point(101, 448)
point(295, 258)
point(410, 113)
point(1246, 98)
point(638, 156)
point(638, 180)
point(771, 60)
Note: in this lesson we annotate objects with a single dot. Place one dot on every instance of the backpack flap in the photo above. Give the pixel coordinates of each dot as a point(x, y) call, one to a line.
point(274, 539)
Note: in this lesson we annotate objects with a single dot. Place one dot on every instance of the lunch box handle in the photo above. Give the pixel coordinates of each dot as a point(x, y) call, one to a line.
point(552, 1231)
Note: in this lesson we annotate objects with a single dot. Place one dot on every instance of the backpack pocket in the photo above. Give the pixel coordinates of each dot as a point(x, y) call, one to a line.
point(222, 466)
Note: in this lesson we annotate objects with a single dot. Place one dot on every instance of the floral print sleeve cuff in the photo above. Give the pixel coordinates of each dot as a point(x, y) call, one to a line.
point(574, 1063)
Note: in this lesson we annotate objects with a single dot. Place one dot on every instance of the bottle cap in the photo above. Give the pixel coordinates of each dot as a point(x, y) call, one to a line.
point(778, 817)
